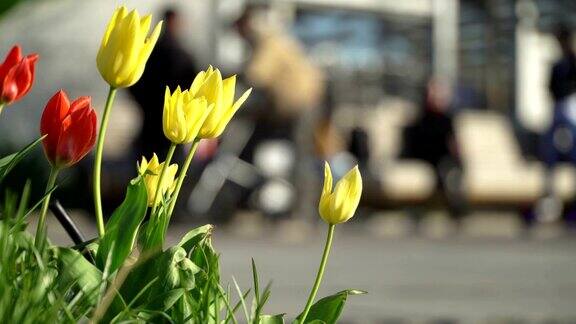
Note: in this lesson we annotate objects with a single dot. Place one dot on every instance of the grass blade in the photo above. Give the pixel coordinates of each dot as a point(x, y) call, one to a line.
point(255, 278)
point(242, 301)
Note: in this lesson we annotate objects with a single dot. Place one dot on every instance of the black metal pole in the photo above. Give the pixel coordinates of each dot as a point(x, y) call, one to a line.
point(71, 228)
point(67, 222)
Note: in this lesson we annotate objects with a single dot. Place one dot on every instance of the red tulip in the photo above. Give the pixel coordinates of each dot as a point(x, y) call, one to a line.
point(70, 129)
point(16, 75)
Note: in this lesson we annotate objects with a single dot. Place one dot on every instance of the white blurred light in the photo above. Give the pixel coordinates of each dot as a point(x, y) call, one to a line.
point(275, 158)
point(276, 196)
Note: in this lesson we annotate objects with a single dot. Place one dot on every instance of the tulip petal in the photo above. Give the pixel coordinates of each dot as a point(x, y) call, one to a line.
point(150, 171)
point(183, 115)
point(125, 47)
point(198, 111)
point(347, 195)
point(81, 103)
point(154, 162)
point(76, 134)
point(18, 81)
point(211, 89)
point(230, 112)
point(82, 128)
point(219, 96)
point(327, 188)
point(166, 113)
point(132, 41)
point(51, 123)
point(144, 54)
point(145, 24)
point(326, 196)
point(70, 129)
point(13, 57)
point(116, 18)
point(93, 128)
point(197, 83)
point(107, 51)
point(63, 154)
point(228, 89)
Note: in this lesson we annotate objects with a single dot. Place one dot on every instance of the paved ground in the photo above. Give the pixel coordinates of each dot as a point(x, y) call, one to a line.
point(417, 279)
point(410, 279)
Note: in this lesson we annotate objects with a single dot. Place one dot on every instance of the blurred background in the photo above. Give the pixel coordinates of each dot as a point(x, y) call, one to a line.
point(460, 113)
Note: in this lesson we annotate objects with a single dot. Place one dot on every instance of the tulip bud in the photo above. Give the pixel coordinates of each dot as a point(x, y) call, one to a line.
point(70, 129)
point(208, 84)
point(16, 75)
point(125, 47)
point(151, 170)
point(220, 93)
point(183, 115)
point(338, 206)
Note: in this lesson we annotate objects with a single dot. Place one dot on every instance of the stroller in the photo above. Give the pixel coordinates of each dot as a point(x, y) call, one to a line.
point(229, 182)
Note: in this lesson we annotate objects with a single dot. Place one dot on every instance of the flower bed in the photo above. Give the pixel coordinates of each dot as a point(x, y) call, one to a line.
point(126, 274)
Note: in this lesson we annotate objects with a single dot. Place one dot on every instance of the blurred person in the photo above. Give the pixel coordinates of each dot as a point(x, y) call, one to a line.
point(558, 141)
point(169, 65)
point(287, 82)
point(431, 138)
point(288, 90)
point(563, 74)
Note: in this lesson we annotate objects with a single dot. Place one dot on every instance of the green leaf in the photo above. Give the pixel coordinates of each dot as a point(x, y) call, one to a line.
point(122, 228)
point(75, 269)
point(242, 300)
point(154, 231)
point(7, 163)
point(271, 319)
point(173, 270)
point(256, 283)
point(191, 239)
point(166, 300)
point(328, 309)
point(176, 270)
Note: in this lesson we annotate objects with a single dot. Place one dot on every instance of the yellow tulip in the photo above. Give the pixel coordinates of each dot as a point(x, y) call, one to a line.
point(338, 205)
point(125, 47)
point(207, 84)
point(183, 115)
point(151, 170)
point(220, 93)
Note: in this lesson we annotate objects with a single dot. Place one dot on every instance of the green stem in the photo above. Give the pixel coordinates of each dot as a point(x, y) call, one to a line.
point(41, 228)
point(1, 107)
point(182, 175)
point(312, 296)
point(158, 194)
point(98, 161)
